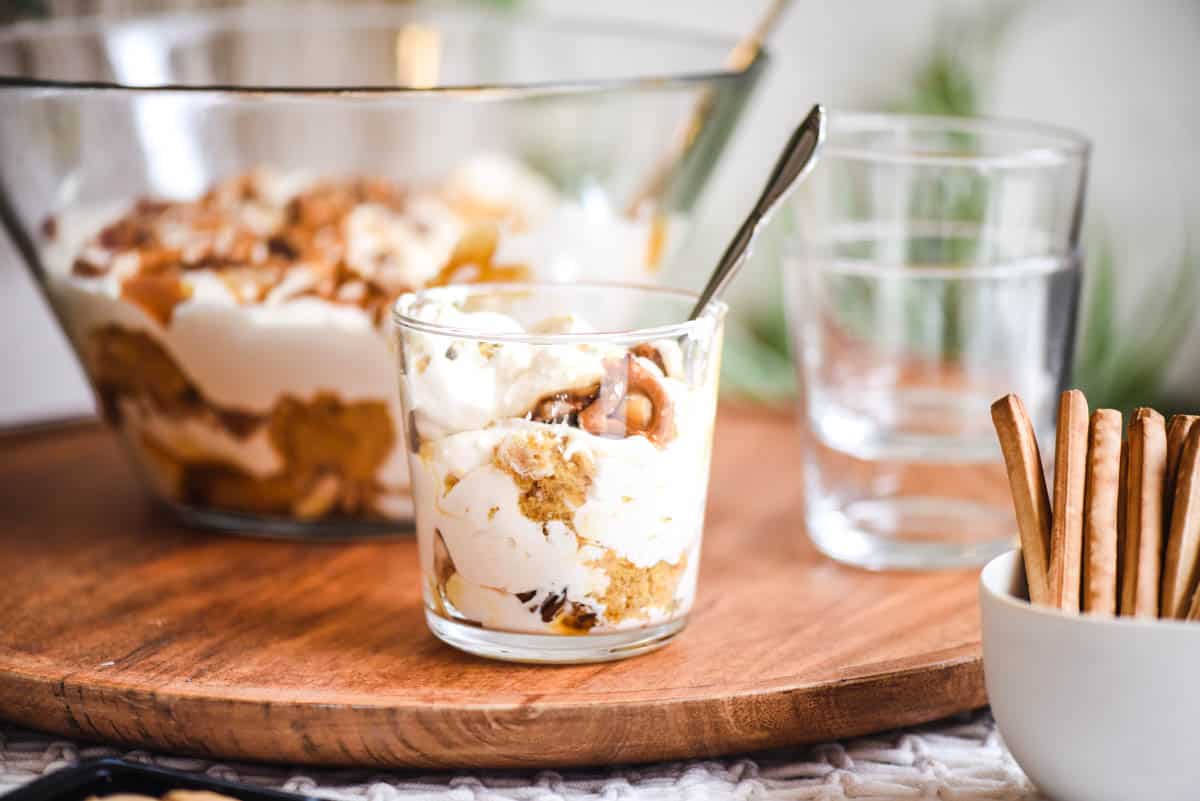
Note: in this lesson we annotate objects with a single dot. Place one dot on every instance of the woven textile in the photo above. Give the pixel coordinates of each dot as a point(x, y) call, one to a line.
point(961, 759)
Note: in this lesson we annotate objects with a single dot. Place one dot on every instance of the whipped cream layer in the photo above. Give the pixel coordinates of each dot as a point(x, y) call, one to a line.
point(546, 527)
point(243, 347)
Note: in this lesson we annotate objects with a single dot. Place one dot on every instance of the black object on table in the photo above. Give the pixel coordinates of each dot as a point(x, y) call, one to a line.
point(101, 777)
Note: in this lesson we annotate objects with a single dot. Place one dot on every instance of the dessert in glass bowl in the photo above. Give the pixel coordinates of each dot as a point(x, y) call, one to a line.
point(237, 341)
point(559, 440)
point(222, 206)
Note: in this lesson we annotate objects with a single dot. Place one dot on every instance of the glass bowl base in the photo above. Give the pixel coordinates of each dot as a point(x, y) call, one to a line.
point(332, 530)
point(552, 649)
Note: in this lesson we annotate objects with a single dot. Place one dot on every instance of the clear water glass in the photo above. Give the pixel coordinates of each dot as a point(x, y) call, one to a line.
point(935, 267)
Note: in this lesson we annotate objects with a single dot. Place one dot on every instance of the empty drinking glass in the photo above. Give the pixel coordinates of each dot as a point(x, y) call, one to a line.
point(935, 268)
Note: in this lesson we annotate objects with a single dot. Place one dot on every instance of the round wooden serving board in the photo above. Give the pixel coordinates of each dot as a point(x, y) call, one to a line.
point(118, 624)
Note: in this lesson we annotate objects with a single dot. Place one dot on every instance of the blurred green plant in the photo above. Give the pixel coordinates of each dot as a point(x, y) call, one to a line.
point(15, 10)
point(1124, 366)
point(964, 48)
point(757, 362)
point(1118, 365)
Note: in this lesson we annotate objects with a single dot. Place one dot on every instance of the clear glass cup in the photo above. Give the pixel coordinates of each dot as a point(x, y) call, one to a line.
point(559, 442)
point(222, 206)
point(935, 267)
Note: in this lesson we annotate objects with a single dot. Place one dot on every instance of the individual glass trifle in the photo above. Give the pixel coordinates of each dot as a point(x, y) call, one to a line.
point(559, 441)
point(222, 206)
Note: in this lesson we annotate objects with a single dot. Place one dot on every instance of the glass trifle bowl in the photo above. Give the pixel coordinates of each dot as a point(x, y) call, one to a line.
point(222, 206)
point(559, 439)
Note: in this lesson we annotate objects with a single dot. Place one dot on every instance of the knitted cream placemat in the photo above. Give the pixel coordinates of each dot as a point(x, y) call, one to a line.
point(961, 759)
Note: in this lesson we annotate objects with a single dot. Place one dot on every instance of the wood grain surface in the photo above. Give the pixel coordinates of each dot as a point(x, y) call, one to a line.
point(120, 625)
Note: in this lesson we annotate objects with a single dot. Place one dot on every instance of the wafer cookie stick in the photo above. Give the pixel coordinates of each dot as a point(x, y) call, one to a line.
point(1100, 513)
point(1177, 430)
point(1180, 572)
point(1066, 527)
point(1194, 606)
point(1031, 502)
point(1122, 496)
point(1142, 557)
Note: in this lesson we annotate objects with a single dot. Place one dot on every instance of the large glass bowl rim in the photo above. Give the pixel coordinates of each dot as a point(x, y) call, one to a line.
point(1056, 145)
point(714, 312)
point(40, 28)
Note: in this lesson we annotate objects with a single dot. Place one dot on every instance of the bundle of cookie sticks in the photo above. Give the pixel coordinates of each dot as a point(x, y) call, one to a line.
point(1120, 535)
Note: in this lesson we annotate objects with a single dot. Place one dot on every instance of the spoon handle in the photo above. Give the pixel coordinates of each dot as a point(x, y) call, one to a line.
point(794, 162)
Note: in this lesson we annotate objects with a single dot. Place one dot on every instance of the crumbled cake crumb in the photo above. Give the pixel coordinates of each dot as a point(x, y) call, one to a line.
point(127, 363)
point(632, 590)
point(529, 456)
point(551, 486)
point(331, 450)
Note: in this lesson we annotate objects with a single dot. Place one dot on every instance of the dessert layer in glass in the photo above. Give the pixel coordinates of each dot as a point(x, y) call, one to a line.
point(559, 486)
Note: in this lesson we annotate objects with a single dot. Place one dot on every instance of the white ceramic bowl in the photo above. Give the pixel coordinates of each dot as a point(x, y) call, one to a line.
point(1092, 708)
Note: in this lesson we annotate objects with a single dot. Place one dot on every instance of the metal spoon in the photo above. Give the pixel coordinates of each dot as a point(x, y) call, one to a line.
point(794, 163)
